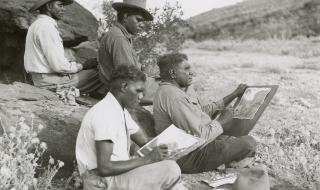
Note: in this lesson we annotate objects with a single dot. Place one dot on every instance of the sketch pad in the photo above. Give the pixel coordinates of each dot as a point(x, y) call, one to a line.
point(184, 143)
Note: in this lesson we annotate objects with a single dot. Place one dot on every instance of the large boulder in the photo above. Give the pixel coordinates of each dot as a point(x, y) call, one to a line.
point(78, 25)
point(61, 122)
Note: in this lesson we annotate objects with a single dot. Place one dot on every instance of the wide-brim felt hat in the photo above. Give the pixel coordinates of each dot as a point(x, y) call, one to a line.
point(139, 5)
point(40, 3)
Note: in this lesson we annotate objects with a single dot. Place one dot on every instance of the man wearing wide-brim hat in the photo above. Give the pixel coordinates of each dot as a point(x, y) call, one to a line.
point(44, 57)
point(116, 45)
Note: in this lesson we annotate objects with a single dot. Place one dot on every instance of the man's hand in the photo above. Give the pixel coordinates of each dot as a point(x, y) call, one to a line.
point(236, 93)
point(158, 154)
point(225, 119)
point(240, 90)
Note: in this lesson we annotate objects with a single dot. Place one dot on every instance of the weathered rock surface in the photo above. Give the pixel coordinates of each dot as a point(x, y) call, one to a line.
point(61, 122)
point(78, 25)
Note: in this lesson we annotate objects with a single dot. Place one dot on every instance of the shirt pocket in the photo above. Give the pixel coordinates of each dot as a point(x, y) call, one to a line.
point(194, 104)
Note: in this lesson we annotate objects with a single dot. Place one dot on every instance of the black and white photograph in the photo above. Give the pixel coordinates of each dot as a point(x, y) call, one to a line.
point(159, 94)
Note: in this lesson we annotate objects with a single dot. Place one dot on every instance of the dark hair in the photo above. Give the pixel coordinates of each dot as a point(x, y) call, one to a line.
point(170, 61)
point(43, 9)
point(128, 11)
point(125, 73)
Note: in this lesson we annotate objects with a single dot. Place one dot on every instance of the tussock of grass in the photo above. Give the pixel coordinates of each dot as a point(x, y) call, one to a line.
point(247, 65)
point(312, 66)
point(272, 70)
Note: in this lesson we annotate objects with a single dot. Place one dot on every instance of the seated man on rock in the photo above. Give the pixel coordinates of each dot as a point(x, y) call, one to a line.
point(103, 142)
point(44, 57)
point(173, 106)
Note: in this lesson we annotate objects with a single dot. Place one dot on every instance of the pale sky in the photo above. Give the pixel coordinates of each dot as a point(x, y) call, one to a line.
point(193, 7)
point(189, 7)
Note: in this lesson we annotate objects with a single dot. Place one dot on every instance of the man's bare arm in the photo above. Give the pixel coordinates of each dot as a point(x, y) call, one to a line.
point(140, 138)
point(236, 93)
point(106, 167)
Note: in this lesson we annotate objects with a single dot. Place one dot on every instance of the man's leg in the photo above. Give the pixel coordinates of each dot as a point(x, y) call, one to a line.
point(239, 127)
point(86, 81)
point(216, 153)
point(158, 176)
point(93, 182)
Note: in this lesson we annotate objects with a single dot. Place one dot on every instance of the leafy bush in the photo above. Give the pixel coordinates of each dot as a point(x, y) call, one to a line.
point(163, 35)
point(21, 159)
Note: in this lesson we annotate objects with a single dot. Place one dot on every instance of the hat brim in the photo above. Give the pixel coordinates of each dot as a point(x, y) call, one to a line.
point(39, 4)
point(144, 13)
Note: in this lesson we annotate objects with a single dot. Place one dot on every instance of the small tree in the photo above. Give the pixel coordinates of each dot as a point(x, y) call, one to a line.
point(163, 35)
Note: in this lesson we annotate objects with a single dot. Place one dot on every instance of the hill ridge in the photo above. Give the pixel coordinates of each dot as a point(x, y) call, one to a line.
point(279, 18)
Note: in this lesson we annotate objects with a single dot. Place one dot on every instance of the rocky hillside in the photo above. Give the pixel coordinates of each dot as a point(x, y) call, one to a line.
point(259, 19)
point(78, 25)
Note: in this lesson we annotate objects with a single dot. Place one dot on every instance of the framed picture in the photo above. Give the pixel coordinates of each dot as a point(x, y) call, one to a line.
point(254, 101)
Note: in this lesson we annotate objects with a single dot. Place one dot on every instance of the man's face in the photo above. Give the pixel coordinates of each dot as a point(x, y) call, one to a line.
point(133, 93)
point(183, 74)
point(57, 9)
point(132, 23)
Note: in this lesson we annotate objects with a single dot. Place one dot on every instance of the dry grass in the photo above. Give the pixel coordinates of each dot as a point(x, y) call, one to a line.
point(308, 65)
point(289, 141)
point(300, 47)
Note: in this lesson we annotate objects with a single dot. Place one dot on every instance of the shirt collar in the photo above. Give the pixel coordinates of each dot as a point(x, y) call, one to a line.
point(124, 31)
point(117, 107)
point(50, 19)
point(165, 83)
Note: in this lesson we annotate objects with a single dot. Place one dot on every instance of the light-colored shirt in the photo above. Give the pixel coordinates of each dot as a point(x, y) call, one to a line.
point(104, 121)
point(116, 49)
point(171, 105)
point(44, 52)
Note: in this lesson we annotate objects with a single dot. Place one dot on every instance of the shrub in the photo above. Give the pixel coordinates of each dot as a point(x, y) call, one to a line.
point(21, 158)
point(165, 34)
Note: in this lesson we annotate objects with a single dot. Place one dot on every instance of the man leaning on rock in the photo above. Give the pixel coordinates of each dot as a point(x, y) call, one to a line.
point(103, 142)
point(44, 57)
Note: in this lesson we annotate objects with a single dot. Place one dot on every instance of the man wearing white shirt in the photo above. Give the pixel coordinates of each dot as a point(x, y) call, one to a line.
point(103, 142)
point(44, 53)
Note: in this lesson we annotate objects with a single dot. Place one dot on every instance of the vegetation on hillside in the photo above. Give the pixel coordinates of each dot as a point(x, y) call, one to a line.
point(259, 19)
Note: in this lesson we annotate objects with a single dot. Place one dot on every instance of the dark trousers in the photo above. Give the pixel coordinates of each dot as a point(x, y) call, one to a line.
point(233, 145)
point(223, 150)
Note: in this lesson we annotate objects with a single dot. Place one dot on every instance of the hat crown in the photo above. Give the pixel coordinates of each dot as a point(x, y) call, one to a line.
point(138, 3)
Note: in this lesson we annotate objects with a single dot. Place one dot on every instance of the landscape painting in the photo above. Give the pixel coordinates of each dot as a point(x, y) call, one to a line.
point(250, 102)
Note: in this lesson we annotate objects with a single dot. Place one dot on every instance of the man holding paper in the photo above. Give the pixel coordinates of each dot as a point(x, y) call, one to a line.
point(103, 142)
point(173, 106)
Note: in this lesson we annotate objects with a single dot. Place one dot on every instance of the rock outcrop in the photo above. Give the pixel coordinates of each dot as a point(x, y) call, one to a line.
point(61, 122)
point(78, 25)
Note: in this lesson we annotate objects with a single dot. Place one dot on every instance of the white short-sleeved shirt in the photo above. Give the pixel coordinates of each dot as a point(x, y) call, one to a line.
point(104, 121)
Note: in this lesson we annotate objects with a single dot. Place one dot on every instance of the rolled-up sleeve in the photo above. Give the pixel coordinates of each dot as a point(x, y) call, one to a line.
point(52, 47)
point(187, 116)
